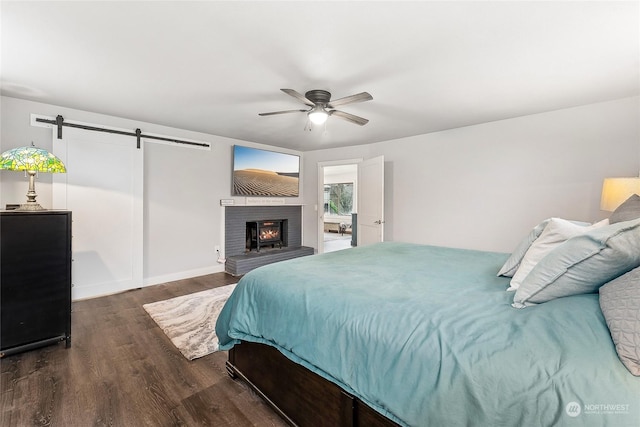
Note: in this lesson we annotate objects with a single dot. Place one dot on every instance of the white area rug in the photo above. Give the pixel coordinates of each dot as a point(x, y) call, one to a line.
point(190, 320)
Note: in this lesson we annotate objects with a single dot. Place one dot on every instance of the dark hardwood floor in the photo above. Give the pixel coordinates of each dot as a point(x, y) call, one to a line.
point(122, 370)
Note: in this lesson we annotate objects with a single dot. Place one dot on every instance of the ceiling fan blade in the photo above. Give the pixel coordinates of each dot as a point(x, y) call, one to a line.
point(349, 117)
point(359, 97)
point(282, 112)
point(298, 96)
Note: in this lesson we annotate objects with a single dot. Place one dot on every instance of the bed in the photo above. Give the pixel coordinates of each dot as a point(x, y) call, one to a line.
point(415, 335)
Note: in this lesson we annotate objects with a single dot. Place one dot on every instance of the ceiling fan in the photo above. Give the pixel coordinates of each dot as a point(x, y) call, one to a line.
point(322, 107)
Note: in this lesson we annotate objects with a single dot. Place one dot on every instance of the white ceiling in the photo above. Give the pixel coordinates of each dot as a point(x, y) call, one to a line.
point(212, 66)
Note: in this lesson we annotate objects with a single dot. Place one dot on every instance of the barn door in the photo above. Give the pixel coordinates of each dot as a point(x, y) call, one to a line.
point(103, 187)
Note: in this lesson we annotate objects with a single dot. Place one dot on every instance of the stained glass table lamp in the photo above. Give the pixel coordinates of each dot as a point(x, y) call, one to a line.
point(32, 160)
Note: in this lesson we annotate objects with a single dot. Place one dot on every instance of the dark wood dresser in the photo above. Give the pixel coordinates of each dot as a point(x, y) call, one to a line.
point(35, 279)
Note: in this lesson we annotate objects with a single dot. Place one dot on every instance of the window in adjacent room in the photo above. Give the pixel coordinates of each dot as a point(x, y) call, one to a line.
point(338, 199)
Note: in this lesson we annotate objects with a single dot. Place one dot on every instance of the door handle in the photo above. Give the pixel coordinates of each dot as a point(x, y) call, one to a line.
point(378, 222)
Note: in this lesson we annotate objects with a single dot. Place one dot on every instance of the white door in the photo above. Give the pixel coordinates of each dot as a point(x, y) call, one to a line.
point(103, 187)
point(371, 201)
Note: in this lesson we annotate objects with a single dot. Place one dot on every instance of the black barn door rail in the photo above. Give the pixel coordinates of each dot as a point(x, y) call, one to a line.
point(59, 122)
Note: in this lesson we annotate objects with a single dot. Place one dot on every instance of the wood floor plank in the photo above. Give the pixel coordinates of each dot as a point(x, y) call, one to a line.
point(122, 370)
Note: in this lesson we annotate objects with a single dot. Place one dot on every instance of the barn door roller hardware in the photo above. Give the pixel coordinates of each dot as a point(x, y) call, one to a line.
point(59, 122)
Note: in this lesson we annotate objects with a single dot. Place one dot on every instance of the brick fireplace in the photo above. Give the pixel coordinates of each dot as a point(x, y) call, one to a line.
point(246, 248)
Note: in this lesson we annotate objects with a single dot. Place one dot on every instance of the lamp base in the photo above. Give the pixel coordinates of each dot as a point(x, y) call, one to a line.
point(30, 207)
point(31, 204)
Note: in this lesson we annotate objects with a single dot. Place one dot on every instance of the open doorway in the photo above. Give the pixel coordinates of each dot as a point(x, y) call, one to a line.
point(365, 224)
point(339, 216)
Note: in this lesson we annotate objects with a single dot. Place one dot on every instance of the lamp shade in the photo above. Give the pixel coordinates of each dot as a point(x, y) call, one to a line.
point(616, 190)
point(31, 159)
point(318, 115)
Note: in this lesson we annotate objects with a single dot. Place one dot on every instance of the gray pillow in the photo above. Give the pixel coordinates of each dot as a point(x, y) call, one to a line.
point(627, 211)
point(582, 264)
point(513, 262)
point(620, 303)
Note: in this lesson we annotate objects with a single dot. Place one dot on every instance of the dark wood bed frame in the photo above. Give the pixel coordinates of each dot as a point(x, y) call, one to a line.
point(301, 397)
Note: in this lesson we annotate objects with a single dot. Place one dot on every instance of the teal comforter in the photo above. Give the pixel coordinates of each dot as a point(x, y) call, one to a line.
point(427, 336)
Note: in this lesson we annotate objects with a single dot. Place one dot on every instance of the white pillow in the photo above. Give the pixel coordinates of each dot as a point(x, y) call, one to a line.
point(513, 262)
point(556, 232)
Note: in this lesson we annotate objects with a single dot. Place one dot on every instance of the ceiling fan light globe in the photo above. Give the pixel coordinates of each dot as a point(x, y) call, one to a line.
point(318, 117)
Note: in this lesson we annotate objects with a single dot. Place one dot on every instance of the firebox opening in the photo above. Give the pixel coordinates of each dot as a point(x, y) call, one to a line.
point(266, 234)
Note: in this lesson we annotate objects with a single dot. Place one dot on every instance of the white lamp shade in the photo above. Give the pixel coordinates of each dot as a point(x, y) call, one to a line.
point(616, 190)
point(318, 116)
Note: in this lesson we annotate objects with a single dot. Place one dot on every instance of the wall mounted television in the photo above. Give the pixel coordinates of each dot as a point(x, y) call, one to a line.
point(263, 173)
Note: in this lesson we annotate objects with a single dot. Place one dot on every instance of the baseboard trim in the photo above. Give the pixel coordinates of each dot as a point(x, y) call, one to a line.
point(157, 280)
point(102, 290)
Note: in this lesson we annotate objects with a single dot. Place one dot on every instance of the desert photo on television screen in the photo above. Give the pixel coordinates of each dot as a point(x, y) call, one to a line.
point(265, 173)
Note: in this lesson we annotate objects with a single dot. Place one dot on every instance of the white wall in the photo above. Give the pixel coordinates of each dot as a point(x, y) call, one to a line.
point(183, 219)
point(344, 176)
point(484, 187)
point(479, 187)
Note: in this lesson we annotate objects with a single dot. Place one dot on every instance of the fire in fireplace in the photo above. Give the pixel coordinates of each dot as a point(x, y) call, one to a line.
point(269, 233)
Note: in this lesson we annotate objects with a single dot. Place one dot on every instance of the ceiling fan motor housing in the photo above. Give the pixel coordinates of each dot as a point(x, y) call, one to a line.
point(320, 100)
point(318, 96)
